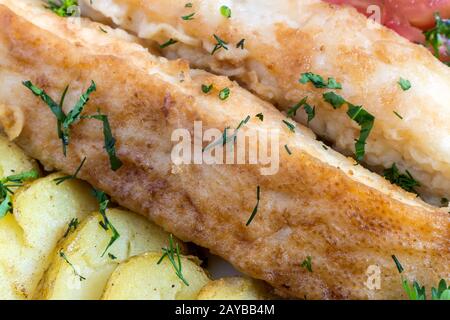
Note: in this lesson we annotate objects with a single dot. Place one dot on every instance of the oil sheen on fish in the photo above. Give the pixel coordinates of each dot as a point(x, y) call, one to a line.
point(319, 204)
point(270, 44)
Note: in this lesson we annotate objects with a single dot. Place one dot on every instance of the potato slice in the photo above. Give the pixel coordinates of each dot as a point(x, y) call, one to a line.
point(12, 159)
point(141, 278)
point(42, 211)
point(234, 288)
point(83, 251)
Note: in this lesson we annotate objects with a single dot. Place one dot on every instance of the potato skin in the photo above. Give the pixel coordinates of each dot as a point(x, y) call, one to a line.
point(234, 288)
point(141, 278)
point(319, 204)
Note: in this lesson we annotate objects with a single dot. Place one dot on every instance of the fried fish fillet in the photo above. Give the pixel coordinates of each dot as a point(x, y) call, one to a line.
point(319, 205)
point(269, 44)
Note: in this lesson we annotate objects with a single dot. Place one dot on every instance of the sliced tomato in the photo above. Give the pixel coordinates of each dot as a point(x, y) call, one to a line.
point(407, 17)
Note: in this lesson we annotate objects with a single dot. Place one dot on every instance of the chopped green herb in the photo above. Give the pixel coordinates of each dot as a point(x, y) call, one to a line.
point(334, 99)
point(111, 256)
point(103, 201)
point(62, 255)
point(207, 88)
point(225, 138)
point(73, 224)
point(398, 115)
point(260, 116)
point(167, 43)
point(324, 147)
point(404, 84)
point(5, 205)
point(398, 264)
point(255, 210)
point(188, 17)
point(444, 202)
point(307, 264)
point(188, 5)
point(75, 113)
point(219, 45)
point(73, 176)
point(225, 11)
point(54, 107)
point(287, 149)
point(442, 292)
point(310, 111)
point(357, 114)
point(22, 177)
point(6, 188)
point(171, 253)
point(405, 181)
point(241, 44)
point(63, 121)
point(292, 112)
point(437, 36)
point(102, 30)
point(63, 8)
point(365, 121)
point(110, 141)
point(290, 126)
point(319, 82)
point(224, 93)
point(415, 291)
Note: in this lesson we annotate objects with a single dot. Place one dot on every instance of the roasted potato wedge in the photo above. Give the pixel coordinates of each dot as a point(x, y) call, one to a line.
point(80, 270)
point(142, 278)
point(42, 211)
point(234, 288)
point(13, 160)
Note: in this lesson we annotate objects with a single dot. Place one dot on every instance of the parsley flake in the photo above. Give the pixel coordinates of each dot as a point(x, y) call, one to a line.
point(73, 176)
point(188, 17)
point(255, 210)
point(207, 88)
point(287, 149)
point(318, 81)
point(290, 126)
point(173, 254)
point(405, 181)
point(404, 84)
point(307, 264)
point(168, 43)
point(437, 36)
point(224, 94)
point(241, 44)
point(63, 8)
point(103, 201)
point(73, 225)
point(6, 188)
point(64, 257)
point(225, 11)
point(110, 141)
point(310, 111)
point(219, 45)
point(64, 121)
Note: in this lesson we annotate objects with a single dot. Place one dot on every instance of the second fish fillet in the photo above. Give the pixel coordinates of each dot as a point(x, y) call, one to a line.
point(268, 45)
point(319, 207)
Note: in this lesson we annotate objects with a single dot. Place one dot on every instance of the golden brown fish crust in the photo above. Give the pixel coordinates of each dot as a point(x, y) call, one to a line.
point(286, 38)
point(319, 204)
